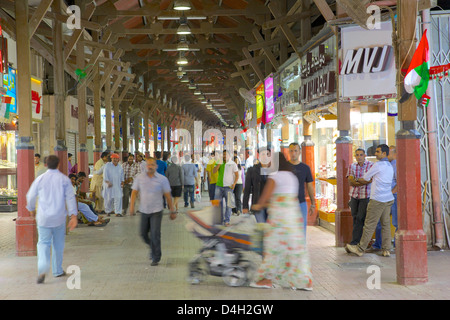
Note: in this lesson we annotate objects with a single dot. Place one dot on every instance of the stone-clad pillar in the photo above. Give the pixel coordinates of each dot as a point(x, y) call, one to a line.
point(58, 73)
point(344, 147)
point(411, 240)
point(82, 158)
point(307, 148)
point(26, 234)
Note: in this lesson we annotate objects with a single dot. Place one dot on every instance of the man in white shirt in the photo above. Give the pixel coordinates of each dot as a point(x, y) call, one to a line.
point(55, 199)
point(379, 207)
point(226, 181)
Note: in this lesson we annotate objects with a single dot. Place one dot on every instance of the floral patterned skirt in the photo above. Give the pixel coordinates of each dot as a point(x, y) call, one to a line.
point(285, 259)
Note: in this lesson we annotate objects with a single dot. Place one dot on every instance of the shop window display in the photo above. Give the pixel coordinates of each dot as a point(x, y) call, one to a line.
point(8, 170)
point(326, 168)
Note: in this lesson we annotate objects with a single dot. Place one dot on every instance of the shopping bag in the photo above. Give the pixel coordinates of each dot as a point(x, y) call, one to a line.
point(231, 201)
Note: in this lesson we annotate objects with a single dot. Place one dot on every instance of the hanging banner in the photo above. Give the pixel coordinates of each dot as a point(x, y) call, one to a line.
point(36, 98)
point(9, 83)
point(259, 103)
point(269, 105)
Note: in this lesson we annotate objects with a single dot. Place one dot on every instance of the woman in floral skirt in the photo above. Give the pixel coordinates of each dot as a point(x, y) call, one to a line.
point(286, 260)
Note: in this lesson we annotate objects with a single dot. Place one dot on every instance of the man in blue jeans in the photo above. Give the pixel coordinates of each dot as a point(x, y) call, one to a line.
point(226, 181)
point(376, 246)
point(190, 173)
point(303, 173)
point(56, 199)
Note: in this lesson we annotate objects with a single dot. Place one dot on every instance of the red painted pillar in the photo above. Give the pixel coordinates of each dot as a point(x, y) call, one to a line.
point(26, 232)
point(343, 215)
point(308, 158)
point(61, 153)
point(410, 239)
point(83, 166)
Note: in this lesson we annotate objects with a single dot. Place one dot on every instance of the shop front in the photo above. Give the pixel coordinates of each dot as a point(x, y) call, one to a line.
point(367, 94)
point(318, 97)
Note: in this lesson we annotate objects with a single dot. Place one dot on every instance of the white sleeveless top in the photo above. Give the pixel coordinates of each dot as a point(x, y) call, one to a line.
point(285, 182)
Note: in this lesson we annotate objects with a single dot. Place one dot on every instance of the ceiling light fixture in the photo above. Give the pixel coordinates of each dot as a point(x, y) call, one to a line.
point(182, 61)
point(182, 5)
point(183, 28)
point(182, 46)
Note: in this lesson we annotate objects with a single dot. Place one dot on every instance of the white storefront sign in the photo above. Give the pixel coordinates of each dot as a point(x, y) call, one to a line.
point(367, 62)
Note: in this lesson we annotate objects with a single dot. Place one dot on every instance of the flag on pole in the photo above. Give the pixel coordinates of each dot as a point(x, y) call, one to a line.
point(418, 74)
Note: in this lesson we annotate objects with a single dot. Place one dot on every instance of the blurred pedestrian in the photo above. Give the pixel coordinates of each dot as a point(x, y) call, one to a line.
point(130, 170)
point(151, 186)
point(226, 181)
point(238, 188)
point(286, 259)
point(175, 175)
point(190, 174)
point(55, 199)
point(255, 180)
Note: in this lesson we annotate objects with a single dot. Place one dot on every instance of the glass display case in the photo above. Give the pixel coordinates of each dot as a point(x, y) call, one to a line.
point(325, 142)
point(8, 171)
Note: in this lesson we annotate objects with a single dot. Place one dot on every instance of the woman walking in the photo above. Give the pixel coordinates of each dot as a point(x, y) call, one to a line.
point(286, 260)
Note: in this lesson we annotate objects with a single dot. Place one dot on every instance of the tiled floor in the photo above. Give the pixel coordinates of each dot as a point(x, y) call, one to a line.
point(113, 263)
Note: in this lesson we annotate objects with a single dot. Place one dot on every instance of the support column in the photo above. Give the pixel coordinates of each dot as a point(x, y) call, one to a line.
point(116, 125)
point(58, 73)
point(83, 160)
point(155, 136)
point(411, 240)
point(108, 114)
point(344, 147)
point(137, 133)
point(124, 132)
point(146, 134)
point(26, 233)
point(97, 115)
point(308, 159)
point(284, 146)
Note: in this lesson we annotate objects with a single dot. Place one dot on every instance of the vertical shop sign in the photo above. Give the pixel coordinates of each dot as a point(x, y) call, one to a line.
point(259, 103)
point(268, 90)
point(36, 98)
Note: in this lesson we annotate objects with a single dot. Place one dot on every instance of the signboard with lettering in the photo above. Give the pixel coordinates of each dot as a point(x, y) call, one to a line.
point(367, 63)
point(269, 105)
point(318, 75)
point(259, 103)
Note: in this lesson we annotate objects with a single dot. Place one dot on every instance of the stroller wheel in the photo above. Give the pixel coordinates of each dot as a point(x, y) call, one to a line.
point(234, 276)
point(197, 270)
point(195, 277)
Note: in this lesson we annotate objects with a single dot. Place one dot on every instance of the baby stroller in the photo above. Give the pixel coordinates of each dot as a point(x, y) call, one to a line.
point(227, 252)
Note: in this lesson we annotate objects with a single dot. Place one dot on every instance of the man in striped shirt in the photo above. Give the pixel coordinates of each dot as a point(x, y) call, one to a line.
point(130, 170)
point(359, 193)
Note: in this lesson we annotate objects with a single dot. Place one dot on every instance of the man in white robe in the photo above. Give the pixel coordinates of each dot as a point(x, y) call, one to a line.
point(113, 179)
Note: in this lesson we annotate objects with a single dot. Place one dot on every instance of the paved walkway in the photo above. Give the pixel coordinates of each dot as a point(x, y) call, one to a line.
point(113, 263)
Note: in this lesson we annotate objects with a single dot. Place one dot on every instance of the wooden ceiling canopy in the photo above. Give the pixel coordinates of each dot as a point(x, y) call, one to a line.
point(233, 44)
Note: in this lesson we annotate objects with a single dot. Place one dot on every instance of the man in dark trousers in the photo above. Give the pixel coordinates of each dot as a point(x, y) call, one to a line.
point(303, 173)
point(255, 179)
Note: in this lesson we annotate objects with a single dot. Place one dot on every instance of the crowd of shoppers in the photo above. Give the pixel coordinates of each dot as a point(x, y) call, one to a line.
point(266, 185)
